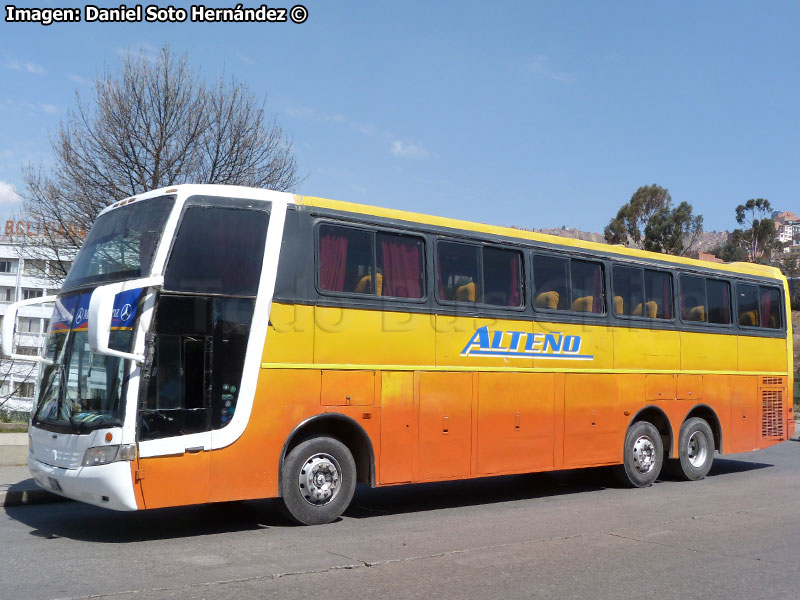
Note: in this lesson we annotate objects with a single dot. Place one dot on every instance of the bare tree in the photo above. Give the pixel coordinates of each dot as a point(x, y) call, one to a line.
point(153, 123)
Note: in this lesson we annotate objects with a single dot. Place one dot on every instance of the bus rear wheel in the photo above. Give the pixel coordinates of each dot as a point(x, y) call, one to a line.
point(695, 451)
point(643, 455)
point(318, 481)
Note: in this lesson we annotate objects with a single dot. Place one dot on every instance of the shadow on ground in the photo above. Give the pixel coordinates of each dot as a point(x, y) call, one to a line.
point(79, 521)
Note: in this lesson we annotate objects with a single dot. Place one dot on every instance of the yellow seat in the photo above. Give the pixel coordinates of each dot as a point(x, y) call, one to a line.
point(547, 300)
point(364, 285)
point(697, 313)
point(619, 305)
point(583, 304)
point(652, 309)
point(466, 292)
point(749, 318)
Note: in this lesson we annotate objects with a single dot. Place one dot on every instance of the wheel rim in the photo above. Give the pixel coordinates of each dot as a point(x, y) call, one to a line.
point(697, 449)
point(644, 455)
point(319, 479)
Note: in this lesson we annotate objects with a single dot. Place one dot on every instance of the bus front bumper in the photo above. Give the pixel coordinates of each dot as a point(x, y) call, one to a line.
point(109, 486)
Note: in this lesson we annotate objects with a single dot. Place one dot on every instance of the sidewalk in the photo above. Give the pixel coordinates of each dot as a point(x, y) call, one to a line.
point(18, 488)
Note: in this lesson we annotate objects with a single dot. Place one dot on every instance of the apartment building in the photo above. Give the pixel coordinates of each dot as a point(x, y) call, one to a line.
point(23, 275)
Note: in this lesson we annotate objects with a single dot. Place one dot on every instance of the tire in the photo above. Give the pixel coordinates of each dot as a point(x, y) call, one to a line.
point(318, 480)
point(695, 451)
point(643, 456)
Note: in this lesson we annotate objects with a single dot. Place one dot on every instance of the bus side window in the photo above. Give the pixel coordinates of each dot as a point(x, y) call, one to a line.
point(502, 277)
point(218, 251)
point(770, 308)
point(747, 305)
point(719, 301)
point(693, 298)
point(658, 294)
point(457, 276)
point(627, 291)
point(345, 260)
point(587, 286)
point(550, 282)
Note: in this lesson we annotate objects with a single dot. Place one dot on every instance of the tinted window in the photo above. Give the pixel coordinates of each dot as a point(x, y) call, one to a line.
point(658, 294)
point(121, 243)
point(218, 251)
point(401, 269)
point(747, 305)
point(457, 272)
point(197, 364)
point(770, 308)
point(345, 260)
point(587, 286)
point(627, 290)
point(380, 263)
point(550, 282)
point(693, 298)
point(718, 294)
point(502, 277)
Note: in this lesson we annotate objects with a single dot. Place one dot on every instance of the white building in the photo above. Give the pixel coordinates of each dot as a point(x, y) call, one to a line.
point(23, 277)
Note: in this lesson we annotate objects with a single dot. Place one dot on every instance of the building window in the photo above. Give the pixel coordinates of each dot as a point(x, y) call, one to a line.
point(34, 267)
point(26, 389)
point(8, 266)
point(28, 350)
point(29, 293)
point(6, 294)
point(28, 325)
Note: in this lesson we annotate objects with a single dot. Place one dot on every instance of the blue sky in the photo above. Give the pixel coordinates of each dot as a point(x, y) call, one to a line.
point(511, 113)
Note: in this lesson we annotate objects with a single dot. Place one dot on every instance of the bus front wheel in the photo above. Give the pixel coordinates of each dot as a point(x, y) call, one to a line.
point(318, 481)
point(643, 455)
point(695, 450)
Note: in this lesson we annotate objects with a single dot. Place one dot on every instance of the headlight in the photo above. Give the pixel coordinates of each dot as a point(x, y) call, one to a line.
point(103, 455)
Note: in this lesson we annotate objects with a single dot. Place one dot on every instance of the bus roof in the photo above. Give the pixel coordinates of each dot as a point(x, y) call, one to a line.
point(402, 215)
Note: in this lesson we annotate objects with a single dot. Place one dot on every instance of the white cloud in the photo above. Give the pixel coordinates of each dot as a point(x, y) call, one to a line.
point(49, 109)
point(8, 195)
point(305, 112)
point(408, 150)
point(539, 66)
point(78, 79)
point(16, 64)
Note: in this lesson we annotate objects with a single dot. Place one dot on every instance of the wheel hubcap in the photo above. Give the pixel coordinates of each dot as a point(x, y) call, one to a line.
point(697, 449)
point(319, 479)
point(644, 455)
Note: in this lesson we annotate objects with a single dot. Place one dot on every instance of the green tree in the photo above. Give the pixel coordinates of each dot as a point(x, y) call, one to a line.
point(648, 221)
point(673, 231)
point(628, 226)
point(730, 251)
point(758, 237)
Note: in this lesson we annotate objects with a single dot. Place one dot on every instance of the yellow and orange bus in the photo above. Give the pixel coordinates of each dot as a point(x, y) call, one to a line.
point(216, 343)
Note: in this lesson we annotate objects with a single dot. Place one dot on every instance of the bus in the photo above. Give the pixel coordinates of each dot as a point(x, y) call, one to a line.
point(218, 343)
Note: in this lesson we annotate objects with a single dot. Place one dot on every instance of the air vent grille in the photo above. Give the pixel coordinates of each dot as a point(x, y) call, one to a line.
point(772, 414)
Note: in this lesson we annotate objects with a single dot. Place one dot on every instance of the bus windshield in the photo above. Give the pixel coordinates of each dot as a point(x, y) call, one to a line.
point(78, 389)
point(121, 244)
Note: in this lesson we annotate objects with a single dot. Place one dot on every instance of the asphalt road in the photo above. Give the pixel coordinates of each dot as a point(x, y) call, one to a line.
point(563, 535)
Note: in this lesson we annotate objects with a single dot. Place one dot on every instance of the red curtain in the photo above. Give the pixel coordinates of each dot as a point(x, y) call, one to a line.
point(332, 260)
point(402, 267)
point(765, 308)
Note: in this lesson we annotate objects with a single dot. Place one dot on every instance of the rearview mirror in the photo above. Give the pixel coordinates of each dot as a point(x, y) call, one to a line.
point(108, 306)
